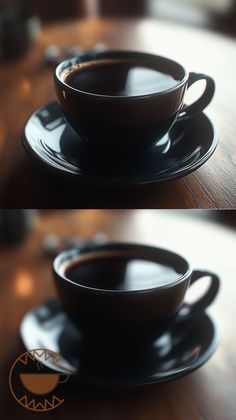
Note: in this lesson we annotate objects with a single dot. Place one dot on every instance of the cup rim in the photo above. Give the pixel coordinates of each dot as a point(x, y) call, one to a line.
point(69, 62)
point(74, 253)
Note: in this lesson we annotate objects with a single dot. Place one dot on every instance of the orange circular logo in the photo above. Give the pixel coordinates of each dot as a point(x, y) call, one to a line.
point(35, 381)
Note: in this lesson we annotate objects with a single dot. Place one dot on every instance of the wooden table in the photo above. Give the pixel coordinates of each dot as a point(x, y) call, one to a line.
point(26, 281)
point(27, 84)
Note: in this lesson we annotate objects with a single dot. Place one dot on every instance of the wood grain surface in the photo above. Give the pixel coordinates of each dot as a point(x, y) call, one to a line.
point(27, 84)
point(26, 281)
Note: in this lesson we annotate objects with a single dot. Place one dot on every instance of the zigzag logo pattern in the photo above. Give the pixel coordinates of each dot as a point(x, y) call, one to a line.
point(40, 385)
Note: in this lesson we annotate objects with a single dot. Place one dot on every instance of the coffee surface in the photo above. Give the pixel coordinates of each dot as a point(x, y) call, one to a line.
point(121, 273)
point(117, 77)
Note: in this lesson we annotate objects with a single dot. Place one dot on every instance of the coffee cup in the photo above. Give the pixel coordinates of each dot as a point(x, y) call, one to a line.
point(126, 100)
point(127, 292)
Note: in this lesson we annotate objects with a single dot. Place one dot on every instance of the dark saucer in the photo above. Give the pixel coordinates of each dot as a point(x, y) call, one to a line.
point(186, 346)
point(50, 139)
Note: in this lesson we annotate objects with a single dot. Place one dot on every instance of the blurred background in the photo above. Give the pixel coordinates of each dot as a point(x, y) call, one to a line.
point(22, 18)
point(218, 14)
point(195, 11)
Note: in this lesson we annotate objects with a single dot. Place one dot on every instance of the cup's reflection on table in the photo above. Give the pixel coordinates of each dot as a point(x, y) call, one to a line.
point(206, 239)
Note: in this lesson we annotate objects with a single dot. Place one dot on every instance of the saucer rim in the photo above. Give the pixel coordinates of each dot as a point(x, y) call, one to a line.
point(126, 183)
point(180, 373)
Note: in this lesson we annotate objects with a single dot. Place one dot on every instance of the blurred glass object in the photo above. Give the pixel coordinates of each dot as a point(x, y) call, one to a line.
point(14, 225)
point(218, 6)
point(92, 7)
point(179, 11)
point(54, 54)
point(53, 244)
point(198, 12)
point(18, 28)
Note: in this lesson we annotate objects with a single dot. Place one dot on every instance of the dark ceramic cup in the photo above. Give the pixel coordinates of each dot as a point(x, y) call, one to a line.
point(128, 122)
point(108, 314)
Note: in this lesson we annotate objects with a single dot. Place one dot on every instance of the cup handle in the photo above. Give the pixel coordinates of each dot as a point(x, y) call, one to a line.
point(201, 304)
point(62, 381)
point(201, 103)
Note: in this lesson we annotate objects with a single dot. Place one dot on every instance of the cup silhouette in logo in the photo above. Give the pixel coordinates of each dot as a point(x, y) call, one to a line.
point(40, 383)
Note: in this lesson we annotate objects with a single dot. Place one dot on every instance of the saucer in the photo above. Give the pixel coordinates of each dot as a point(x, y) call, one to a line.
point(186, 346)
point(49, 138)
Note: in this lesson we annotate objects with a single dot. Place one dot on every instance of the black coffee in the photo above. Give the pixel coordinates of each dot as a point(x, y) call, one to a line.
point(119, 77)
point(118, 272)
